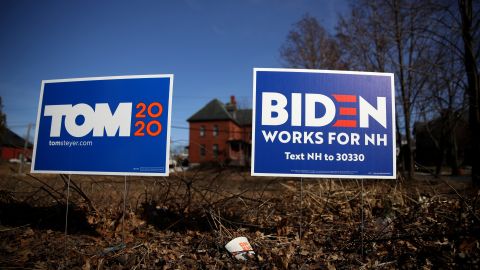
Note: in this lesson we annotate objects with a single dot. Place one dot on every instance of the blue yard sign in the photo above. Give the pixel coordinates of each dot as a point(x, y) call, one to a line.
point(320, 123)
point(105, 125)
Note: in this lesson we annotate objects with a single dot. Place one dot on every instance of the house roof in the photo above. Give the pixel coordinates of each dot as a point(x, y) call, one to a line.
point(216, 110)
point(244, 117)
point(9, 138)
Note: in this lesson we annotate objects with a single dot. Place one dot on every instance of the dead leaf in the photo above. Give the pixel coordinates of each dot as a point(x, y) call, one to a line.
point(331, 266)
point(86, 266)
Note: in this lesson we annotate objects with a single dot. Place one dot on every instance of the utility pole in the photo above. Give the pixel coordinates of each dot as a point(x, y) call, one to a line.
point(25, 146)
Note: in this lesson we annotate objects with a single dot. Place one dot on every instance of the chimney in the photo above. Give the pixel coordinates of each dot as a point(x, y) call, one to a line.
point(232, 105)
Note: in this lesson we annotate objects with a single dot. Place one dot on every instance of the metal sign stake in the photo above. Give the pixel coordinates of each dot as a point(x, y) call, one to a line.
point(301, 208)
point(362, 225)
point(124, 203)
point(66, 218)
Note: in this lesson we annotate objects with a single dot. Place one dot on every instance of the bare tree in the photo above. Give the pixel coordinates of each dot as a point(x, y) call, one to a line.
point(361, 37)
point(411, 59)
point(457, 32)
point(308, 45)
point(364, 43)
point(469, 25)
point(385, 36)
point(423, 43)
point(443, 106)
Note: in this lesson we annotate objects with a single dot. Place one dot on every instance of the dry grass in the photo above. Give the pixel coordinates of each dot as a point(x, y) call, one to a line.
point(184, 221)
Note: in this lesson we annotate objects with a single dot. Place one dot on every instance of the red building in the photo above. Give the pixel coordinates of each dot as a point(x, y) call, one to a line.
point(12, 146)
point(220, 133)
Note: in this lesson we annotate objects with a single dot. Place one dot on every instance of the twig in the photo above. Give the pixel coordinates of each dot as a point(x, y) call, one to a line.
point(15, 228)
point(384, 264)
point(45, 184)
point(79, 191)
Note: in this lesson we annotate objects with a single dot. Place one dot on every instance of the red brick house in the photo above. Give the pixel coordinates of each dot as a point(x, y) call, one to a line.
point(220, 133)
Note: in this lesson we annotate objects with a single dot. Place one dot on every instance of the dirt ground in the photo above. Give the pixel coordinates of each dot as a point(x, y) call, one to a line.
point(184, 221)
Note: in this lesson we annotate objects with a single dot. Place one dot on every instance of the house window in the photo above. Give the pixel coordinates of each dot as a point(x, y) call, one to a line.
point(202, 150)
point(215, 150)
point(202, 131)
point(215, 131)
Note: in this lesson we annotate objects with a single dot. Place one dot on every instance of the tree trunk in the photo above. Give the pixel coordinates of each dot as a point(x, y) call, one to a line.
point(454, 156)
point(439, 163)
point(400, 159)
point(466, 11)
point(405, 95)
point(409, 162)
